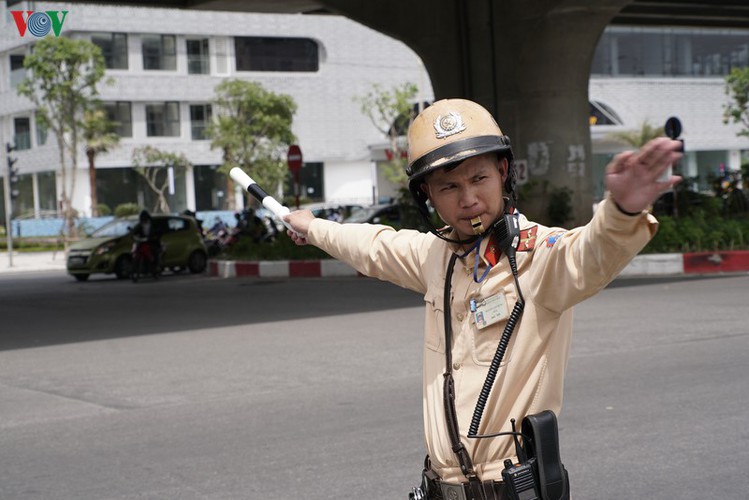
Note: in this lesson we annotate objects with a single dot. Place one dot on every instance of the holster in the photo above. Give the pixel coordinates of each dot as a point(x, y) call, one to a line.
point(541, 441)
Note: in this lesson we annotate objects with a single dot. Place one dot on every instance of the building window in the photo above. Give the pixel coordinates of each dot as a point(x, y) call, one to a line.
point(159, 52)
point(120, 113)
point(276, 54)
point(210, 188)
point(114, 48)
point(17, 71)
point(41, 134)
point(47, 182)
point(669, 52)
point(22, 131)
point(200, 117)
point(198, 61)
point(162, 120)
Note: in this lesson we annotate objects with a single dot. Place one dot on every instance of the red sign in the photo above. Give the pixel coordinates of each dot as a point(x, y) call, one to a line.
point(294, 158)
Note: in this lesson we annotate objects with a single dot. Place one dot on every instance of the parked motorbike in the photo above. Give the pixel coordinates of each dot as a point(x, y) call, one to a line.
point(259, 228)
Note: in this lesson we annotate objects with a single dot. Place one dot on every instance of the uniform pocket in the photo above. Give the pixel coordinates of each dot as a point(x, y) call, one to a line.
point(434, 333)
point(486, 340)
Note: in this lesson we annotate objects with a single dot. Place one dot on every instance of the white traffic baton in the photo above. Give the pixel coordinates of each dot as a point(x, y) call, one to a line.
point(244, 180)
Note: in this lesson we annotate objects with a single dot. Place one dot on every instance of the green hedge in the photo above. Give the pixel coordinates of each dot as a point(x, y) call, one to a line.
point(699, 232)
point(281, 249)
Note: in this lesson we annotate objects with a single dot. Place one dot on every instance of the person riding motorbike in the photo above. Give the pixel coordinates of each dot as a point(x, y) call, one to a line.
point(147, 247)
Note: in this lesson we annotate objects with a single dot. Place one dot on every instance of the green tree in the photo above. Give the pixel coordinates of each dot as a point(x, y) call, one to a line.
point(153, 165)
point(99, 137)
point(253, 128)
point(737, 111)
point(62, 81)
point(391, 112)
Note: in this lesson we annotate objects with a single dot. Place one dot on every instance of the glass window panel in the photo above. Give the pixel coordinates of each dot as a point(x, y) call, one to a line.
point(198, 61)
point(210, 188)
point(162, 120)
point(120, 113)
point(22, 131)
point(17, 71)
point(159, 52)
point(276, 54)
point(633, 51)
point(47, 183)
point(172, 117)
point(169, 52)
point(114, 48)
point(200, 116)
point(41, 134)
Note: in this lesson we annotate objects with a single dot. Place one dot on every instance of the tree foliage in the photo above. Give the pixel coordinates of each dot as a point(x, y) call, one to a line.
point(391, 111)
point(153, 165)
point(62, 81)
point(99, 137)
point(253, 128)
point(737, 111)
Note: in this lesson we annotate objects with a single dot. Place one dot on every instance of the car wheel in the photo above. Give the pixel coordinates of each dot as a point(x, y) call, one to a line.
point(197, 262)
point(81, 277)
point(123, 267)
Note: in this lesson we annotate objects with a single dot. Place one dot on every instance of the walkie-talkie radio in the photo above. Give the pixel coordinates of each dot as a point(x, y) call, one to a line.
point(520, 480)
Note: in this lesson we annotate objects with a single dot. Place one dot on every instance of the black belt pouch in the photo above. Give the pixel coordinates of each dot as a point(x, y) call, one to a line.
point(541, 441)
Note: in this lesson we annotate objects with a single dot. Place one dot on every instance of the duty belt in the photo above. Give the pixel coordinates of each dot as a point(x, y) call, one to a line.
point(438, 490)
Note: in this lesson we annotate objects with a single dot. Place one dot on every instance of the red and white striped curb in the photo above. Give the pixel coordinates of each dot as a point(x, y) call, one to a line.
point(688, 263)
point(643, 265)
point(281, 269)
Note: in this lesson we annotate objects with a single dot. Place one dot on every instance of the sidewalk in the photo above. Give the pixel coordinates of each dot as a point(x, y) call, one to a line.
point(671, 264)
point(32, 261)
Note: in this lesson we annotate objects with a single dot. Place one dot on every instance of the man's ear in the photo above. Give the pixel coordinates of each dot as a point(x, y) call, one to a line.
point(424, 188)
point(503, 166)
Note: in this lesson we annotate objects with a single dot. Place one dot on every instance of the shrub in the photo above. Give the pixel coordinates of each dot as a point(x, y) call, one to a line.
point(699, 232)
point(125, 209)
point(103, 210)
point(559, 209)
point(281, 249)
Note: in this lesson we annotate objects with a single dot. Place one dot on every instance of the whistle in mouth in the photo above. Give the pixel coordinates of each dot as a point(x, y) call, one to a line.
point(478, 227)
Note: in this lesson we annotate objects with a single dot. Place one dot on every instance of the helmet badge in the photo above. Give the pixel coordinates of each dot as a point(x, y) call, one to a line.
point(450, 124)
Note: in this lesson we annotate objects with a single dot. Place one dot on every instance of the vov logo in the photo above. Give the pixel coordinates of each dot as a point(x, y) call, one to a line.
point(39, 23)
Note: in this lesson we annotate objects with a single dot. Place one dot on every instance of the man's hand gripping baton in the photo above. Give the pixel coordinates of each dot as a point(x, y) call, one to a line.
point(244, 180)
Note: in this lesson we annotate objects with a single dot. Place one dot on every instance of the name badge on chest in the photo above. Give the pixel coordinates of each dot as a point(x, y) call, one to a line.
point(489, 310)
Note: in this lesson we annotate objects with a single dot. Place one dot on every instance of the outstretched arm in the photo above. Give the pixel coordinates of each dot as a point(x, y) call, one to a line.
point(633, 177)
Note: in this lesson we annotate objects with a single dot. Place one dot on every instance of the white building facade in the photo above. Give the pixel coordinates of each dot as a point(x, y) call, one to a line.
point(165, 64)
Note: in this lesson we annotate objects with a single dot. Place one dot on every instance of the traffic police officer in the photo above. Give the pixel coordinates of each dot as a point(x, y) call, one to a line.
point(461, 163)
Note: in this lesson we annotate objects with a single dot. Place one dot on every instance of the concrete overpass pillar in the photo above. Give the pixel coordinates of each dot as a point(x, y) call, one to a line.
point(527, 62)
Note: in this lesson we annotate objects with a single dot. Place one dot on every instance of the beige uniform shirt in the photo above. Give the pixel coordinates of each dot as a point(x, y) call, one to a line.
point(557, 269)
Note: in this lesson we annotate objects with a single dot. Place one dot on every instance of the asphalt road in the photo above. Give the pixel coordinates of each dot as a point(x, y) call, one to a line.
point(205, 388)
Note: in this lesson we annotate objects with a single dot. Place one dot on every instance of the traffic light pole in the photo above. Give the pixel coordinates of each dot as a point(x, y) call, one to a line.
point(8, 204)
point(8, 208)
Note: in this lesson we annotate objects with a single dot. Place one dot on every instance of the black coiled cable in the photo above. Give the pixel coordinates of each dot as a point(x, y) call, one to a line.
point(486, 390)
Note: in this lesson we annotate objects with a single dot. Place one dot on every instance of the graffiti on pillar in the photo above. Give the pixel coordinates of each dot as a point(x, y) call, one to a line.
point(576, 160)
point(539, 158)
point(521, 172)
